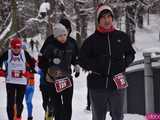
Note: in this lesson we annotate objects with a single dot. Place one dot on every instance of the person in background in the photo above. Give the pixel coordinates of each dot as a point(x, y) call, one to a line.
point(37, 45)
point(28, 97)
point(44, 9)
point(25, 45)
point(32, 45)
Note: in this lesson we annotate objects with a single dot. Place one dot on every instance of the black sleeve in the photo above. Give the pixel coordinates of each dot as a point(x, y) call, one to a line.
point(3, 58)
point(42, 57)
point(30, 62)
point(86, 59)
point(45, 44)
point(42, 62)
point(75, 57)
point(129, 52)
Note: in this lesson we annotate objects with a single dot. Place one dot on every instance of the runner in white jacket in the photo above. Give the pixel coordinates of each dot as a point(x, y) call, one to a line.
point(19, 68)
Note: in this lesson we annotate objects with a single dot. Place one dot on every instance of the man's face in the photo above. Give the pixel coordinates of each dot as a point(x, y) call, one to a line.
point(62, 38)
point(16, 50)
point(106, 21)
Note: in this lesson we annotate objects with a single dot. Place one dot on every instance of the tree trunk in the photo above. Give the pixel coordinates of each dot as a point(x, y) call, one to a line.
point(148, 16)
point(14, 16)
point(140, 21)
point(84, 24)
point(51, 18)
point(53, 4)
point(1, 12)
point(78, 29)
point(130, 23)
point(140, 13)
point(36, 4)
point(95, 3)
point(14, 26)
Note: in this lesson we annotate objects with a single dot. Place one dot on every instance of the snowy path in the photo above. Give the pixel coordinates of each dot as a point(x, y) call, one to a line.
point(79, 103)
point(147, 39)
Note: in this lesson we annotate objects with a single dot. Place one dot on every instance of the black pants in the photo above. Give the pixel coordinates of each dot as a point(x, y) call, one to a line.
point(48, 102)
point(62, 103)
point(100, 98)
point(43, 14)
point(88, 99)
point(15, 95)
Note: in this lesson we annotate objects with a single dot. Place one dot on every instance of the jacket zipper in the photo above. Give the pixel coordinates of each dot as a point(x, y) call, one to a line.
point(110, 53)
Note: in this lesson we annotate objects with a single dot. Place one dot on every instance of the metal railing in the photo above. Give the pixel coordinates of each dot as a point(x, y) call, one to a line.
point(148, 79)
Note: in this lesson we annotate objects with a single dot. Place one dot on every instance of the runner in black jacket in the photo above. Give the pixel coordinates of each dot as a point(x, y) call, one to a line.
point(106, 54)
point(57, 55)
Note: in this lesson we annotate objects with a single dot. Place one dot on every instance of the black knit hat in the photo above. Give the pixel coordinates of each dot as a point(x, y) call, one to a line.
point(67, 24)
point(103, 10)
point(103, 13)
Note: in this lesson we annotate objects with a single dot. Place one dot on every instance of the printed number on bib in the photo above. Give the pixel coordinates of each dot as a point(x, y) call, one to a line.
point(120, 81)
point(17, 73)
point(62, 84)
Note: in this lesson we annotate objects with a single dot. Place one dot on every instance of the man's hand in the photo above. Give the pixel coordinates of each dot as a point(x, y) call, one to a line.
point(77, 70)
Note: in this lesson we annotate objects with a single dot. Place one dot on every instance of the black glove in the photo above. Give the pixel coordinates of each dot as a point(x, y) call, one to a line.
point(77, 70)
point(77, 74)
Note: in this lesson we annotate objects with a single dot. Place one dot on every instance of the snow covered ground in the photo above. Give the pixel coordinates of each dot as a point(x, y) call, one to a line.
point(146, 39)
point(79, 102)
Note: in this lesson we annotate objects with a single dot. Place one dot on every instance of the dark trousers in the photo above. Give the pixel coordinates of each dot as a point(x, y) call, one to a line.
point(62, 103)
point(100, 98)
point(43, 14)
point(15, 95)
point(88, 99)
point(48, 102)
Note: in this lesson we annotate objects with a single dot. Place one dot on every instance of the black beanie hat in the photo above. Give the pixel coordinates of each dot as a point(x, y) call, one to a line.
point(67, 24)
point(103, 13)
point(103, 10)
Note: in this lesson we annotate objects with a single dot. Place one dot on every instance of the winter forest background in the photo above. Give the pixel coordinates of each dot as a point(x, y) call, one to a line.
point(140, 19)
point(21, 16)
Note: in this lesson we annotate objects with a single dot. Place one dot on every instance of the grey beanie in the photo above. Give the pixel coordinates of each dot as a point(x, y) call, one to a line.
point(59, 29)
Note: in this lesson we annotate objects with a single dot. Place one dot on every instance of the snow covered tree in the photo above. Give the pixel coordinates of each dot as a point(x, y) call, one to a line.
point(78, 29)
point(23, 14)
point(130, 22)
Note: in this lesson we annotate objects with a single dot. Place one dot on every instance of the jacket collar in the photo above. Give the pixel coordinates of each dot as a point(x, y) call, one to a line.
point(103, 30)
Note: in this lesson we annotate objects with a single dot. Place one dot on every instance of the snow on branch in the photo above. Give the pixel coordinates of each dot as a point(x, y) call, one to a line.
point(14, 34)
point(5, 22)
point(62, 2)
point(82, 1)
point(36, 20)
point(4, 33)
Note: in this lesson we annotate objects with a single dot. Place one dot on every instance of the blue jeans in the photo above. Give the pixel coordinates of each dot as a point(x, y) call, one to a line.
point(28, 96)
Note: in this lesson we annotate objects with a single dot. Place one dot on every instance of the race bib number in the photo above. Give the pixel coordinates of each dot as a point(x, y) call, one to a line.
point(120, 81)
point(17, 73)
point(62, 84)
